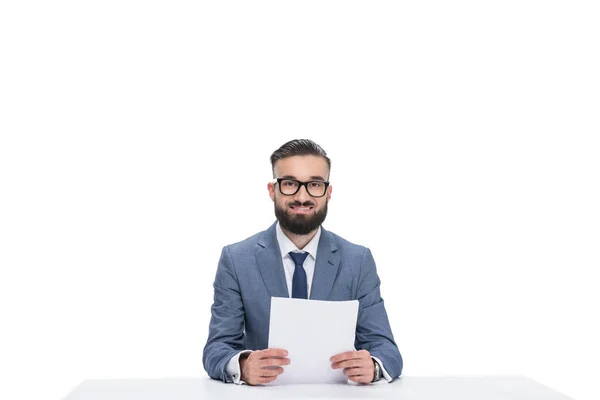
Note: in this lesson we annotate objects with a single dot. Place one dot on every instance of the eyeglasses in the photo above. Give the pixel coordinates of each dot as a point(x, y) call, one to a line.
point(290, 187)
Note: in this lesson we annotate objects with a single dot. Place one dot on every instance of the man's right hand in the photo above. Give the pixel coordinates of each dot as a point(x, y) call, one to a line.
point(263, 366)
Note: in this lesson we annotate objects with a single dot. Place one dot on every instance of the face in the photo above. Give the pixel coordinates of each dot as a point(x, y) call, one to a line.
point(300, 213)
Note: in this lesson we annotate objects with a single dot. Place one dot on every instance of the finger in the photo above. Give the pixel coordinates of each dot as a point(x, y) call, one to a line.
point(272, 353)
point(267, 379)
point(349, 355)
point(360, 379)
point(270, 362)
point(357, 372)
point(268, 372)
point(350, 363)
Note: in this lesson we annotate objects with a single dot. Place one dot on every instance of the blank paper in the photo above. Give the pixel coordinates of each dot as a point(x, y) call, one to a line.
point(312, 331)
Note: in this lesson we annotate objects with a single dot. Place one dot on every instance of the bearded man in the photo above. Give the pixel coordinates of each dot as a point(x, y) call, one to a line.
point(296, 257)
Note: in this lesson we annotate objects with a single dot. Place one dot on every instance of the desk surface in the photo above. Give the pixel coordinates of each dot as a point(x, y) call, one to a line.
point(409, 388)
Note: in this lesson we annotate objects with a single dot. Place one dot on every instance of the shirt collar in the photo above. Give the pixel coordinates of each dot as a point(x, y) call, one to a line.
point(286, 245)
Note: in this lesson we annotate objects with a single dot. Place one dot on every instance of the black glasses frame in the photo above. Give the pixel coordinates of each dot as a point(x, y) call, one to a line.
point(300, 184)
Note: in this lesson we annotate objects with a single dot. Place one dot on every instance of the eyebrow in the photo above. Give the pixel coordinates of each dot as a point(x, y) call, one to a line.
point(317, 177)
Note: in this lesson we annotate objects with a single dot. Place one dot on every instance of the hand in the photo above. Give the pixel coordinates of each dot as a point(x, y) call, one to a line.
point(358, 365)
point(263, 366)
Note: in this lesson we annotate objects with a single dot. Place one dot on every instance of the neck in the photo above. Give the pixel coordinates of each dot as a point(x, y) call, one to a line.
point(300, 240)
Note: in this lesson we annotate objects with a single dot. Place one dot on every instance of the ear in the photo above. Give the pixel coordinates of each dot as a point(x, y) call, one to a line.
point(329, 190)
point(271, 188)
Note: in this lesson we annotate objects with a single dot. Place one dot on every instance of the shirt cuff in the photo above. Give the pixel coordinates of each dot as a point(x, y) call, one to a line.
point(386, 376)
point(233, 368)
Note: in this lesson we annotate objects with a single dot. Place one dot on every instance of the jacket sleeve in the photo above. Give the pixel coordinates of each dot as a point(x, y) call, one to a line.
point(226, 329)
point(373, 331)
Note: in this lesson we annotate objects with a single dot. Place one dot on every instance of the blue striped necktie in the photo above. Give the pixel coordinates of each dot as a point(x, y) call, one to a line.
point(299, 289)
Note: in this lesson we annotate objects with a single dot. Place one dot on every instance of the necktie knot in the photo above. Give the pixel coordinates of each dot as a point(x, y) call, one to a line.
point(298, 257)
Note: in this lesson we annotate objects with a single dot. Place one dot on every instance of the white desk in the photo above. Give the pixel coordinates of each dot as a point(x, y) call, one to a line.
point(407, 388)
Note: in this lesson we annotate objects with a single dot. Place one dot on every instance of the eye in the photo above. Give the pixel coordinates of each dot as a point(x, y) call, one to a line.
point(316, 185)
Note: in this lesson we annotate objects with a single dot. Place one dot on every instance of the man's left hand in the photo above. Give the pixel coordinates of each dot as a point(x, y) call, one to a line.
point(358, 365)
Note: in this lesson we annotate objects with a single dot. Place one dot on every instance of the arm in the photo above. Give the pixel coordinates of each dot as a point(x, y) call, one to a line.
point(226, 329)
point(373, 331)
point(224, 356)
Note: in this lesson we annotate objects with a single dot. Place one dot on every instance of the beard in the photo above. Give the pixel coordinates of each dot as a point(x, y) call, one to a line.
point(300, 224)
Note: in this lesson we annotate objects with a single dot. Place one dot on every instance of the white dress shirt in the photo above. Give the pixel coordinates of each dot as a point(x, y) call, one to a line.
point(286, 246)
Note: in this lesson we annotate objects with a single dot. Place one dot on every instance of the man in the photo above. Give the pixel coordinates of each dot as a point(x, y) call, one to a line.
point(296, 258)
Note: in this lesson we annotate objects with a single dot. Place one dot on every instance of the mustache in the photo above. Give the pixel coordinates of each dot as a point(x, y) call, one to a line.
point(298, 204)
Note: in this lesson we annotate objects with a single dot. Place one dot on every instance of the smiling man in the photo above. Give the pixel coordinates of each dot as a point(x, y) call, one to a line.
point(296, 257)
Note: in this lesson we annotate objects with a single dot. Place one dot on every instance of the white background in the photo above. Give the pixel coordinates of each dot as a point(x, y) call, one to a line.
point(135, 143)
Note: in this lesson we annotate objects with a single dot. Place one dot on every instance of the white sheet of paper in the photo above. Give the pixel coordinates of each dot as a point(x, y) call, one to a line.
point(312, 331)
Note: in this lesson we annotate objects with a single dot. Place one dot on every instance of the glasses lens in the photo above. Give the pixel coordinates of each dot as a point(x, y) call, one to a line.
point(288, 187)
point(316, 188)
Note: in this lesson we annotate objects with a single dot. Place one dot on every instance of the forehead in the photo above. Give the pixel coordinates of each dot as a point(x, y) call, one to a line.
point(302, 167)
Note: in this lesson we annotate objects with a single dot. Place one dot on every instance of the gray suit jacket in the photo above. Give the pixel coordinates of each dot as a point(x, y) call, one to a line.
point(251, 272)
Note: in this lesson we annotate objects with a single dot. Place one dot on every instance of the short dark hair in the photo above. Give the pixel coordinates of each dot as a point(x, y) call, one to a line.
point(298, 147)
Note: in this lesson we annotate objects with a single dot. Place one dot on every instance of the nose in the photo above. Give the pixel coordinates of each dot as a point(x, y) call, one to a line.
point(302, 195)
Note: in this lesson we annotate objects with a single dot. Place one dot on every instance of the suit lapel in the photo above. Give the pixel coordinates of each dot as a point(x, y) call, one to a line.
point(270, 264)
point(326, 267)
